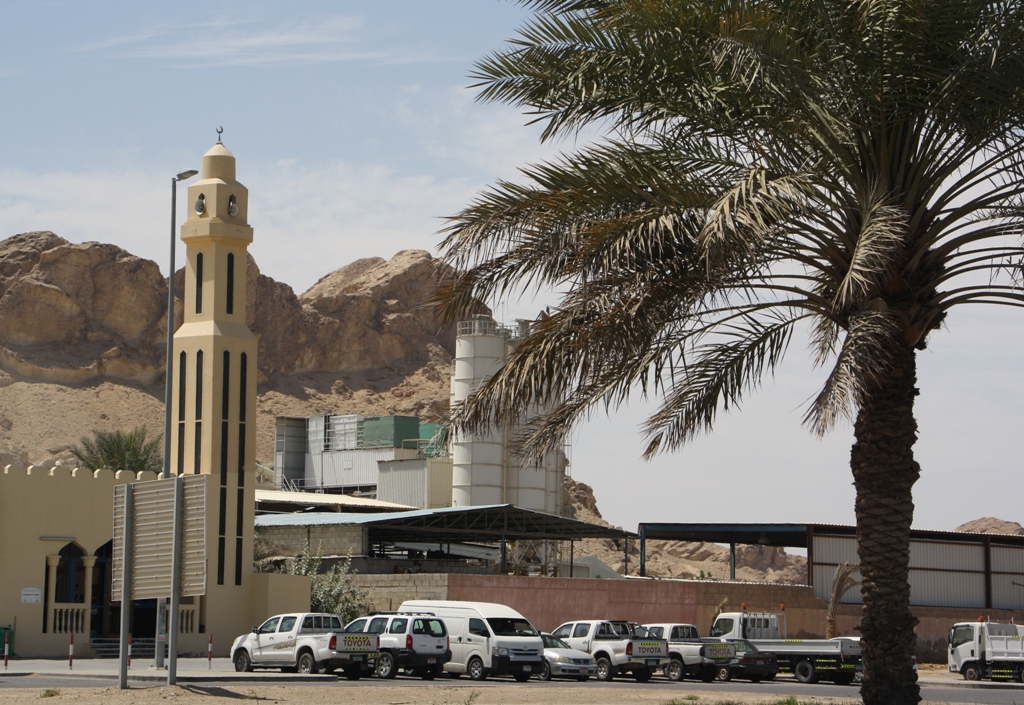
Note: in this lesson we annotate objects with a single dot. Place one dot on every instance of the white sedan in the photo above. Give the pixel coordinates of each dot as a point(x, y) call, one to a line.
point(565, 662)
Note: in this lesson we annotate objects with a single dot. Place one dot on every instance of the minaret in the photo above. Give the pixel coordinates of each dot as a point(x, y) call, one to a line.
point(214, 407)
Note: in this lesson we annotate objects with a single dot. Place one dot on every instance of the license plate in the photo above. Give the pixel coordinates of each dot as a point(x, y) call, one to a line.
point(431, 660)
point(527, 669)
point(652, 662)
point(358, 657)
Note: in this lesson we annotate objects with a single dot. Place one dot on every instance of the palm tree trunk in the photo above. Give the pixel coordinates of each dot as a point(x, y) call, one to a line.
point(884, 472)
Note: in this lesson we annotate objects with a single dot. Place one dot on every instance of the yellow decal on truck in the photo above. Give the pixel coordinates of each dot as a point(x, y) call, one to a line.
point(357, 643)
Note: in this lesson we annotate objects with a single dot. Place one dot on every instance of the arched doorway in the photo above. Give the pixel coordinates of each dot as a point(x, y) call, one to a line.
point(104, 616)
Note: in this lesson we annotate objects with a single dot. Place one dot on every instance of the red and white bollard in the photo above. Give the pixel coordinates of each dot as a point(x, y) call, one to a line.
point(71, 652)
point(129, 651)
point(7, 649)
point(209, 654)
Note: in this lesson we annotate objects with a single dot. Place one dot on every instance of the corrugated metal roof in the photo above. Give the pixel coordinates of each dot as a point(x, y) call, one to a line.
point(326, 500)
point(482, 523)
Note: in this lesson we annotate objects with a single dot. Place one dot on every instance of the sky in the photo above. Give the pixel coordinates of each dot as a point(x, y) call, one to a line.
point(356, 131)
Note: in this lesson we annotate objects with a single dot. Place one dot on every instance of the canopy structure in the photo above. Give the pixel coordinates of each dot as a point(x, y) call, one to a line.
point(490, 523)
point(497, 524)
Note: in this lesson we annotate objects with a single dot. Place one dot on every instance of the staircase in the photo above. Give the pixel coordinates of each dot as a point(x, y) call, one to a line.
point(109, 647)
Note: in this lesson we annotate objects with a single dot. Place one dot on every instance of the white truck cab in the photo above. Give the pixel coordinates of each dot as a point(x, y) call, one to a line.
point(988, 650)
point(486, 638)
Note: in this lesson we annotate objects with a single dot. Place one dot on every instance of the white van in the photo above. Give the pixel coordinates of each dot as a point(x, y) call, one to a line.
point(486, 638)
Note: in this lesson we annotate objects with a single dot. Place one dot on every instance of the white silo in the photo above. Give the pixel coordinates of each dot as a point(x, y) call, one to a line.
point(477, 460)
point(537, 483)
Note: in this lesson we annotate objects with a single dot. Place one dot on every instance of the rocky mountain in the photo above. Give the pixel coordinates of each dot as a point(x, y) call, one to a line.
point(83, 329)
point(991, 525)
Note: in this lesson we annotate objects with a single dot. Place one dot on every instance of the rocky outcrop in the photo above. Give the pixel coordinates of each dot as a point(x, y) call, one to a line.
point(94, 317)
point(991, 525)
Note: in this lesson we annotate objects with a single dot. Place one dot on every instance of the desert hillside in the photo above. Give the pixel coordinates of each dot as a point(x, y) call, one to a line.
point(82, 331)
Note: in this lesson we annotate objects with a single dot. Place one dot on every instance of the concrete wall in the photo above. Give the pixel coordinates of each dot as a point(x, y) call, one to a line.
point(332, 539)
point(387, 592)
point(548, 602)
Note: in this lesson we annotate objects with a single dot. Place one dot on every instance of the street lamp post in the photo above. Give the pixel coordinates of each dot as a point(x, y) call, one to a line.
point(161, 613)
point(181, 176)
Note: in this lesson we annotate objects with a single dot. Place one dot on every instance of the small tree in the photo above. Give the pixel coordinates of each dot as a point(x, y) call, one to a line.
point(332, 590)
point(842, 583)
point(117, 450)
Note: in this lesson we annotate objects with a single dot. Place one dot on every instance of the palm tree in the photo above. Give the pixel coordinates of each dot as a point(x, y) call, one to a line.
point(842, 582)
point(849, 170)
point(117, 450)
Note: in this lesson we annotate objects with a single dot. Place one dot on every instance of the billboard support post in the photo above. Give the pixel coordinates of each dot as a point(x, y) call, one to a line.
point(126, 586)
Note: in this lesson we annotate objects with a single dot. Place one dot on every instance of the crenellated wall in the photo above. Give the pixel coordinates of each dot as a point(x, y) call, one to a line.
point(42, 510)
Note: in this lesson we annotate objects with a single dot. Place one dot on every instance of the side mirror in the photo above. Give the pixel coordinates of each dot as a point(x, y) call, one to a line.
point(255, 630)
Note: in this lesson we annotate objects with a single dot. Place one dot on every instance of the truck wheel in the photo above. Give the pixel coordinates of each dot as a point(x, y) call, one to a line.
point(843, 678)
point(971, 672)
point(1020, 674)
point(476, 669)
point(353, 673)
point(642, 675)
point(605, 670)
point(675, 670)
point(427, 674)
point(307, 664)
point(724, 674)
point(545, 671)
point(707, 674)
point(386, 667)
point(805, 672)
point(242, 661)
point(521, 677)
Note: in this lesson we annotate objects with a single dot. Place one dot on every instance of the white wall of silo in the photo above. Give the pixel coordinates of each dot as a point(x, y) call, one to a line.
point(477, 460)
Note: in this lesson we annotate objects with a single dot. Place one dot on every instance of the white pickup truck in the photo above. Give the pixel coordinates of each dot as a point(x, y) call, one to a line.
point(689, 655)
point(617, 647)
point(306, 643)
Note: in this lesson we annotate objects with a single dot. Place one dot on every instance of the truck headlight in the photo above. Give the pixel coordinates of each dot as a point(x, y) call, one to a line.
point(499, 651)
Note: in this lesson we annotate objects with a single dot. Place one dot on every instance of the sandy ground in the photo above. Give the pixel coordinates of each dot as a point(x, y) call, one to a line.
point(439, 694)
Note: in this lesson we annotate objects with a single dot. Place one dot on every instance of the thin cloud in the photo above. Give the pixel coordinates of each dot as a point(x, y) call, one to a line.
point(333, 39)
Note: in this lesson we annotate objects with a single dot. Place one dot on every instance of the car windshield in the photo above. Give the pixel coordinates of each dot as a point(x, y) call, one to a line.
point(553, 642)
point(511, 626)
point(722, 626)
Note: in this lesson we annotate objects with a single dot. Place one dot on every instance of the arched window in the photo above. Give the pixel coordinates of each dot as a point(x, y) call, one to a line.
point(231, 283)
point(199, 282)
point(70, 585)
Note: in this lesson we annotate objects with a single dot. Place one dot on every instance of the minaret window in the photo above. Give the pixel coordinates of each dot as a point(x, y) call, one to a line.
point(233, 206)
point(225, 400)
point(199, 282)
point(182, 374)
point(231, 282)
point(243, 373)
point(198, 452)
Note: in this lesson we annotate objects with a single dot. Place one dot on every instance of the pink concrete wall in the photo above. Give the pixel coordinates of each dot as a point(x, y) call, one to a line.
point(548, 602)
